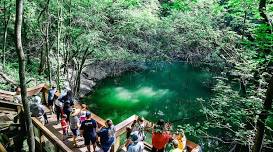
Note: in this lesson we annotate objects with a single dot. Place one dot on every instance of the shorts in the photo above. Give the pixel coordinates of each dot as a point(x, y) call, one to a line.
point(75, 132)
point(88, 140)
point(50, 102)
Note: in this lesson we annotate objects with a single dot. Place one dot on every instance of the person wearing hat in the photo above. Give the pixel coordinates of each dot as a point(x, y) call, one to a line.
point(51, 95)
point(67, 101)
point(139, 126)
point(88, 131)
point(74, 126)
point(38, 110)
point(136, 145)
point(107, 136)
point(160, 138)
point(175, 147)
point(180, 137)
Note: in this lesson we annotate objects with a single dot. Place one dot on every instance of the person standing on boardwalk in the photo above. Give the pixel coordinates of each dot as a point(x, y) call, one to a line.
point(88, 131)
point(17, 96)
point(67, 104)
point(160, 137)
point(181, 138)
point(107, 136)
point(64, 126)
point(139, 126)
point(38, 110)
point(74, 126)
point(83, 111)
point(136, 145)
point(58, 106)
point(51, 95)
point(175, 147)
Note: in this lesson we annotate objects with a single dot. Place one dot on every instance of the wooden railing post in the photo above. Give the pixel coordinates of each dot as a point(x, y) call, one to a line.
point(117, 143)
point(44, 132)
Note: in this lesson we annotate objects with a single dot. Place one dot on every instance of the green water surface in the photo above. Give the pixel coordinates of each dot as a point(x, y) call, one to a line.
point(164, 90)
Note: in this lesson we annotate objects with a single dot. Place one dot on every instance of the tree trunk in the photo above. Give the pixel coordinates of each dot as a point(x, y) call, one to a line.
point(68, 42)
point(21, 59)
point(47, 44)
point(80, 68)
point(260, 126)
point(242, 87)
point(42, 62)
point(4, 45)
point(6, 23)
point(58, 44)
point(262, 9)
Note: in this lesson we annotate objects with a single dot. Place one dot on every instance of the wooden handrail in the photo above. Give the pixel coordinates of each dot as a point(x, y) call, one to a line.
point(99, 120)
point(2, 148)
point(121, 127)
point(49, 135)
point(9, 96)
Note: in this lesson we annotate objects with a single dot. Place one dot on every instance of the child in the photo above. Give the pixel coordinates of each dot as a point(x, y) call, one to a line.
point(181, 138)
point(83, 112)
point(64, 126)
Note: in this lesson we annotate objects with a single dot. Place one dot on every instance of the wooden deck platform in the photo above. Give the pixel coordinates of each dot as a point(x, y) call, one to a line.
point(50, 135)
point(56, 129)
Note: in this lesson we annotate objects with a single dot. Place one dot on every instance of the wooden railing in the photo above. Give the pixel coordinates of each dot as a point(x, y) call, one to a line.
point(121, 129)
point(45, 140)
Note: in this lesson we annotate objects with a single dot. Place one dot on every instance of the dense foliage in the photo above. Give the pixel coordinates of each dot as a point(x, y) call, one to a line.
point(63, 35)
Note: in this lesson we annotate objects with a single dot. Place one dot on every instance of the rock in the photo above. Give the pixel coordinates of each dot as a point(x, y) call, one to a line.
point(100, 70)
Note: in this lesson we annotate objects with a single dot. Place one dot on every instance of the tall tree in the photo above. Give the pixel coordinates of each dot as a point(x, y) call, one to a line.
point(6, 23)
point(260, 126)
point(21, 59)
point(59, 32)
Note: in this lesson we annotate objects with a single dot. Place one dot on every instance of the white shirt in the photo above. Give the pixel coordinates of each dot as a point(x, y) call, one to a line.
point(136, 147)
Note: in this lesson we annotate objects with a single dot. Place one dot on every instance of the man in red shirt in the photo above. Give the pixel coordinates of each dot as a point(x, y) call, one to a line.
point(160, 138)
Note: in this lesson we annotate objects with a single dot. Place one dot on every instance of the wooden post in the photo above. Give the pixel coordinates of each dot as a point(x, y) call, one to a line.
point(117, 143)
point(2, 148)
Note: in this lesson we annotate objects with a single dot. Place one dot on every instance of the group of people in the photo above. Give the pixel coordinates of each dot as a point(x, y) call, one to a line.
point(75, 116)
point(161, 137)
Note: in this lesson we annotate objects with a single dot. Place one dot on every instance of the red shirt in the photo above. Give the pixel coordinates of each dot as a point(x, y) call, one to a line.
point(160, 140)
point(64, 124)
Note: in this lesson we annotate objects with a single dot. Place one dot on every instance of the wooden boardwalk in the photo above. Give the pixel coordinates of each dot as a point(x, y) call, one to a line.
point(56, 129)
point(52, 132)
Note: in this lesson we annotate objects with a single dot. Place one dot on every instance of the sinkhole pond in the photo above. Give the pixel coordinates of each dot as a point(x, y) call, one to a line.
point(164, 90)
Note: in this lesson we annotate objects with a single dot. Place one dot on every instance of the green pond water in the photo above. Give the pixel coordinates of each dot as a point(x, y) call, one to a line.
point(164, 90)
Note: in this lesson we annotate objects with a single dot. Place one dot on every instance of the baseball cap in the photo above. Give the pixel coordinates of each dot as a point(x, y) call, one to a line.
point(134, 136)
point(88, 113)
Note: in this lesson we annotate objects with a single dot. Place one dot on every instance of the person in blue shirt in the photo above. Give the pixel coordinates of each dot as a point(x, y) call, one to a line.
point(51, 95)
point(88, 131)
point(67, 104)
point(136, 145)
point(107, 136)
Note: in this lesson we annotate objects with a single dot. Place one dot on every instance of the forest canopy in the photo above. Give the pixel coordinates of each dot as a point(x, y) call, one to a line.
point(61, 37)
